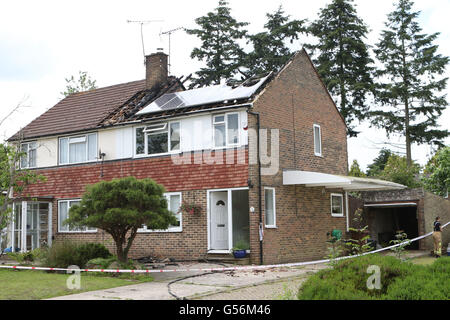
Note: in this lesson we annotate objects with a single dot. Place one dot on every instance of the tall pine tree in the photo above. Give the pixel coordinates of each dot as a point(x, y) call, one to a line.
point(219, 33)
point(408, 86)
point(270, 50)
point(343, 60)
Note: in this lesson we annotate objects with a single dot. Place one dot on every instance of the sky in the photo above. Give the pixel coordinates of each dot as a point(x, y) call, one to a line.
point(44, 42)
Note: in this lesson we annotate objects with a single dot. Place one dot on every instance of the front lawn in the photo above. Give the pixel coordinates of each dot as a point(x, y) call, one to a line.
point(33, 285)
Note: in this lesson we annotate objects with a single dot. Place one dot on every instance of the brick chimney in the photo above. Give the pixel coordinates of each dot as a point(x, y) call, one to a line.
point(155, 69)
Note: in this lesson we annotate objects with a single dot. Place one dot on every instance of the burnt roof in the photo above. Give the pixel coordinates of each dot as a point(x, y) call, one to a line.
point(80, 111)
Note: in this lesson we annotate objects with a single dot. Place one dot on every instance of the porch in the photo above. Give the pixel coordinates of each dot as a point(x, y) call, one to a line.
point(30, 226)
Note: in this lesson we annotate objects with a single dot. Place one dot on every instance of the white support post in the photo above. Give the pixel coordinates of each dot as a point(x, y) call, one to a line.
point(230, 220)
point(13, 226)
point(347, 210)
point(50, 220)
point(23, 246)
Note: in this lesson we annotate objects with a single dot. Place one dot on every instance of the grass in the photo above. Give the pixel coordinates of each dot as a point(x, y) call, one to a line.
point(34, 285)
point(424, 261)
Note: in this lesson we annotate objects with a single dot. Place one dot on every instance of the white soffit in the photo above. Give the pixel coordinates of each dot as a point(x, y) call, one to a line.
point(332, 181)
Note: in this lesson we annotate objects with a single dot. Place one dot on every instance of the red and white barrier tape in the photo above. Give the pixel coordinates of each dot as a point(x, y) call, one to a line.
point(294, 264)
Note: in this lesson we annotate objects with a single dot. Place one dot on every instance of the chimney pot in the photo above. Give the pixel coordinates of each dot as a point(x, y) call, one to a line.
point(155, 69)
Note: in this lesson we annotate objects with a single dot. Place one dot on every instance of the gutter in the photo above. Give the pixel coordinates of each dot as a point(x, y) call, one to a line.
point(134, 122)
point(259, 185)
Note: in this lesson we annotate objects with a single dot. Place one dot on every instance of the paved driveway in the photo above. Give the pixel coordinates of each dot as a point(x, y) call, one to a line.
point(205, 285)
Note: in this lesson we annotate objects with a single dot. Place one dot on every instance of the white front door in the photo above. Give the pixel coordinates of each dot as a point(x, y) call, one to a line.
point(219, 220)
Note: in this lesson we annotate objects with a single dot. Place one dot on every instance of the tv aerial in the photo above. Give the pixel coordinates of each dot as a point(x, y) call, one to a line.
point(142, 22)
point(169, 32)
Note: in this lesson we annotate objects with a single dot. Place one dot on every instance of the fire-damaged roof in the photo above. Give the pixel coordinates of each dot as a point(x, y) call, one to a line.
point(80, 111)
point(133, 101)
point(94, 108)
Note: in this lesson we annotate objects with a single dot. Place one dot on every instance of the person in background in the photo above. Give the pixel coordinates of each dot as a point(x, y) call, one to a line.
point(437, 237)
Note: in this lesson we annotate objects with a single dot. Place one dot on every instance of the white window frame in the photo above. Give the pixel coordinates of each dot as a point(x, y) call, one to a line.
point(68, 209)
point(340, 195)
point(269, 226)
point(75, 138)
point(225, 122)
point(170, 229)
point(151, 128)
point(319, 154)
point(28, 155)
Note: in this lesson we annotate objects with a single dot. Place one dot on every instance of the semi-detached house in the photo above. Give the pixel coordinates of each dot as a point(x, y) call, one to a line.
point(282, 197)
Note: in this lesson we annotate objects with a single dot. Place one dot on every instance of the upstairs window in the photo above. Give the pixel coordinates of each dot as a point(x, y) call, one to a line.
point(317, 140)
point(158, 138)
point(28, 160)
point(78, 149)
point(226, 130)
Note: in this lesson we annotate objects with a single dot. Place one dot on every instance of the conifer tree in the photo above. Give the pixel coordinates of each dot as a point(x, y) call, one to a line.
point(219, 33)
point(270, 51)
point(343, 60)
point(409, 82)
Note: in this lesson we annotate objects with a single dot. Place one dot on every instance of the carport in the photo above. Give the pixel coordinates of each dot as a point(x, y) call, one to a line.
point(385, 219)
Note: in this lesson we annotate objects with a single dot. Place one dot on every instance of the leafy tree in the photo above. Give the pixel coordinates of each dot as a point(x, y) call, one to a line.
point(269, 47)
point(408, 83)
point(218, 32)
point(12, 179)
point(397, 170)
point(379, 163)
point(355, 170)
point(437, 172)
point(343, 60)
point(84, 83)
point(121, 207)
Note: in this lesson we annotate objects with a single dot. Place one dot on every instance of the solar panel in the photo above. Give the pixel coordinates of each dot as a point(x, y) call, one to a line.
point(164, 99)
point(173, 103)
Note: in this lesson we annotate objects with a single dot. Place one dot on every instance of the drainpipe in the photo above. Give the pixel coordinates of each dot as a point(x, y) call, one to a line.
point(259, 185)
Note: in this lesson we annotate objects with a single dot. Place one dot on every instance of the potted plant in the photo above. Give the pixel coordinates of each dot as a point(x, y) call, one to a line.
point(190, 208)
point(240, 249)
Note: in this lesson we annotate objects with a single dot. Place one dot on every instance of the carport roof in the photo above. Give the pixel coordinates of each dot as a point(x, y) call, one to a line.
point(332, 181)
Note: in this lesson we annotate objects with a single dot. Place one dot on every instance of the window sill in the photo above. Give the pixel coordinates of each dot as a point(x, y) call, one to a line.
point(138, 156)
point(160, 231)
point(338, 215)
point(271, 227)
point(78, 231)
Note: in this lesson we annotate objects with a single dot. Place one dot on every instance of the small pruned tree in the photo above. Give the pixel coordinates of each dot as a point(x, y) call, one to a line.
point(355, 170)
point(120, 207)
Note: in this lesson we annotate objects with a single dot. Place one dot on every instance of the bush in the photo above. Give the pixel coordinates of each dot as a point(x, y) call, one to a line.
point(399, 280)
point(26, 257)
point(100, 263)
point(66, 253)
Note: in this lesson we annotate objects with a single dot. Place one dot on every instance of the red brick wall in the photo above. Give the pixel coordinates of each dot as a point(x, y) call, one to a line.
point(292, 103)
point(192, 180)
